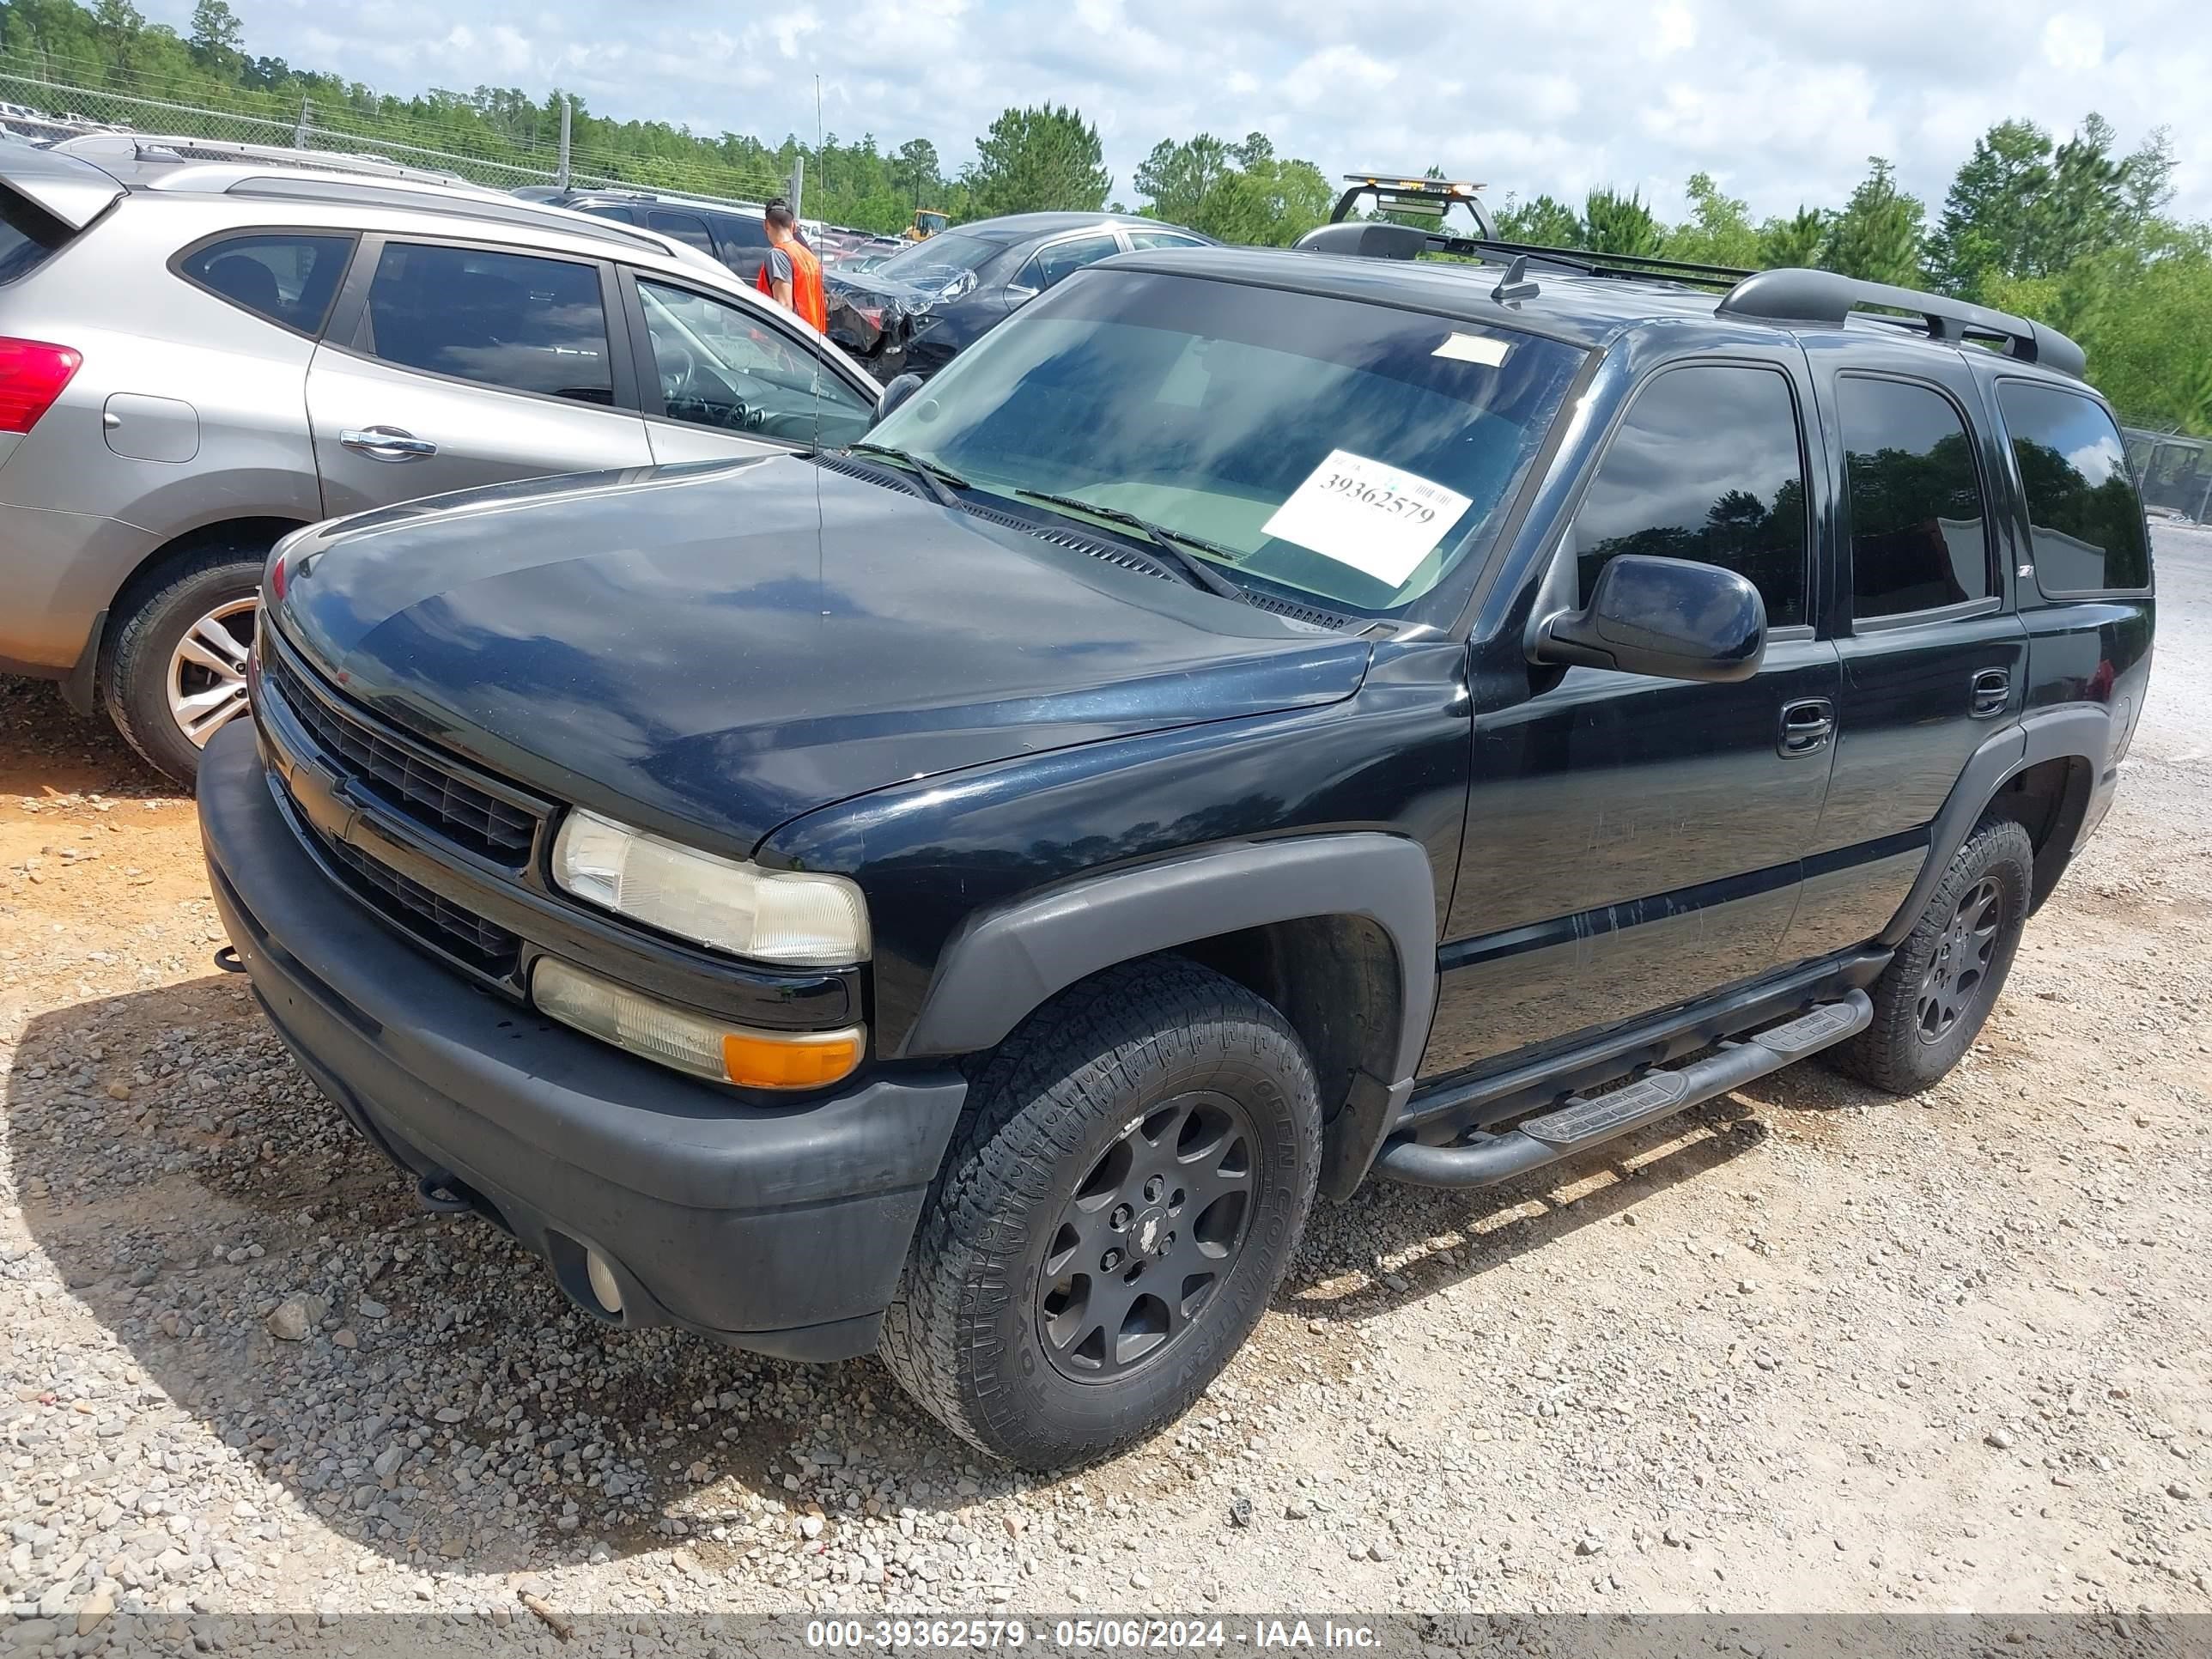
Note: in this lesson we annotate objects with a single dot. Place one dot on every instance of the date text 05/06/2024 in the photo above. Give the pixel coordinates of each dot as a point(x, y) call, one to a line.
point(1106, 1635)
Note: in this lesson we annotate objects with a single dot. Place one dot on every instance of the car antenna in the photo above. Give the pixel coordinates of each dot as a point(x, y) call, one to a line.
point(1515, 284)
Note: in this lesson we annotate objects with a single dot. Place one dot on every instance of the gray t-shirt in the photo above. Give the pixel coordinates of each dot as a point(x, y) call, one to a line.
point(779, 265)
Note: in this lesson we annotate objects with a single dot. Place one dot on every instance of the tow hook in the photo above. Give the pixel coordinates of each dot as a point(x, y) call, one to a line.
point(227, 960)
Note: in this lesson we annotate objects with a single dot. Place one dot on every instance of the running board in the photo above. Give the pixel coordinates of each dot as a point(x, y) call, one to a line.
point(1484, 1158)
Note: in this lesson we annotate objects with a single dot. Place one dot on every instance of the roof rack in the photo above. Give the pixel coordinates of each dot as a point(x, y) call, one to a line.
point(1395, 192)
point(488, 206)
point(1380, 240)
point(647, 193)
point(144, 147)
point(1829, 296)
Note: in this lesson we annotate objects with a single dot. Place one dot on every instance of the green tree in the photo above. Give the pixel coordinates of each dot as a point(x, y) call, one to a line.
point(1036, 159)
point(915, 171)
point(217, 37)
point(1240, 192)
point(1541, 221)
point(119, 25)
point(1176, 180)
point(1793, 242)
point(1986, 225)
point(1877, 235)
point(1719, 230)
point(1621, 225)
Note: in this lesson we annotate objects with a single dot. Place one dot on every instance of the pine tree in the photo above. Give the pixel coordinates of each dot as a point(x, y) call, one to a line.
point(1877, 236)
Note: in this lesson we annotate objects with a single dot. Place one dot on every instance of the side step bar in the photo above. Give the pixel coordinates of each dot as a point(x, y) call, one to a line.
point(1485, 1158)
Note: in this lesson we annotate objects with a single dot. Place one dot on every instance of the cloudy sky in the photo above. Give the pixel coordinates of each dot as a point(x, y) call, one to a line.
point(1782, 99)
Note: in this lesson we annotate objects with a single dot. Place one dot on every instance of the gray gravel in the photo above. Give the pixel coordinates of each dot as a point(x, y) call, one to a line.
point(1806, 1348)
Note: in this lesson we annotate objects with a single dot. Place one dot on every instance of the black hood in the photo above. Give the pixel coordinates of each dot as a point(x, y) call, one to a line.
point(704, 648)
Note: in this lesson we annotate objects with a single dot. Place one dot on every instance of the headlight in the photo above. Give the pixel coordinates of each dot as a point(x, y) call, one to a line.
point(689, 1041)
point(811, 921)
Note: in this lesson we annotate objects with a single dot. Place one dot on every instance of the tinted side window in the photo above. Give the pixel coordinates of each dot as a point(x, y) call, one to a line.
point(1919, 538)
point(608, 210)
point(2087, 525)
point(1706, 466)
point(286, 278)
point(1163, 238)
point(686, 228)
point(1048, 264)
point(506, 320)
point(28, 234)
point(738, 231)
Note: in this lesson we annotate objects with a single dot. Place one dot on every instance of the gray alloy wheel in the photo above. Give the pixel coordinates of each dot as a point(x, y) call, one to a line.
point(1961, 961)
point(207, 671)
point(1147, 1238)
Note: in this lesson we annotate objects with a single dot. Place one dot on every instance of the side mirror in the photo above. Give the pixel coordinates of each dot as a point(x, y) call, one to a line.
point(1671, 617)
point(1019, 293)
point(896, 392)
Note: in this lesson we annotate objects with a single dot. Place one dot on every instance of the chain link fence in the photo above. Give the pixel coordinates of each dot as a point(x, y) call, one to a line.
point(48, 109)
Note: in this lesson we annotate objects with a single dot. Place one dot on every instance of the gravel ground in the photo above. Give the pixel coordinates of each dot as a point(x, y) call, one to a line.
point(1805, 1349)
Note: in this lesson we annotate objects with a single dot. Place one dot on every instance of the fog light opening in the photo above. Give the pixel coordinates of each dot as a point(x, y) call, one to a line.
point(603, 1285)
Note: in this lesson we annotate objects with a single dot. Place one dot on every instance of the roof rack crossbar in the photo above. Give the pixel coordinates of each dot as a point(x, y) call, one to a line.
point(1791, 295)
point(185, 148)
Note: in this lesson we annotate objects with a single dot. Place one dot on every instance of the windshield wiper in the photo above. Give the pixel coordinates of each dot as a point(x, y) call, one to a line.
point(1167, 544)
point(942, 480)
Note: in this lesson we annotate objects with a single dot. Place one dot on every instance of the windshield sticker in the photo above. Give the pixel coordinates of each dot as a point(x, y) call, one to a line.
point(1374, 517)
point(1473, 349)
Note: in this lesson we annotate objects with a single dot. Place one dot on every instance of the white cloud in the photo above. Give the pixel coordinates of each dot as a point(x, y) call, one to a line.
point(1781, 99)
point(2073, 43)
point(1674, 29)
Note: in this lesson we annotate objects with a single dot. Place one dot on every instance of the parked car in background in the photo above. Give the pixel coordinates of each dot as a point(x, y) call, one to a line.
point(918, 308)
point(204, 346)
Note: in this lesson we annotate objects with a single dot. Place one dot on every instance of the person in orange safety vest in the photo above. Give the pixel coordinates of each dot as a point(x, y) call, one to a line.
point(791, 275)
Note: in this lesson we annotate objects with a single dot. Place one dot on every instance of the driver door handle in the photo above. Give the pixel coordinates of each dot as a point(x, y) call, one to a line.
point(1807, 727)
point(388, 443)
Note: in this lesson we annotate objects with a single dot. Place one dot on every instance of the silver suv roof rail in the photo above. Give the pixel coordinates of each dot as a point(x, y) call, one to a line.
point(1829, 296)
point(145, 147)
point(647, 193)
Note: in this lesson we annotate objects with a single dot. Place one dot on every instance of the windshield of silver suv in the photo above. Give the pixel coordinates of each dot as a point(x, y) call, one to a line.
point(1350, 452)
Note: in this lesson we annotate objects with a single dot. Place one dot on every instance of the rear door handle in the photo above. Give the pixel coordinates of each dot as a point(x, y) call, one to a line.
point(388, 443)
point(1807, 727)
point(1992, 693)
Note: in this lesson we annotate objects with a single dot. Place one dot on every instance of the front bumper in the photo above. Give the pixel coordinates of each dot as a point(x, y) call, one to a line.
point(780, 1229)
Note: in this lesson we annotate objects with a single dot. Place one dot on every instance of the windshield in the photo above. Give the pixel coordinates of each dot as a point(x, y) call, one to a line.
point(941, 261)
point(1355, 453)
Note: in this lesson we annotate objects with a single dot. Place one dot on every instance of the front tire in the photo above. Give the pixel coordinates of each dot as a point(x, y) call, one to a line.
point(175, 674)
point(1930, 1001)
point(1121, 1198)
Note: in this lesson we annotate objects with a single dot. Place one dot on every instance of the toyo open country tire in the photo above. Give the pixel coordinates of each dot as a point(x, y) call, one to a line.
point(1059, 1301)
point(1930, 1001)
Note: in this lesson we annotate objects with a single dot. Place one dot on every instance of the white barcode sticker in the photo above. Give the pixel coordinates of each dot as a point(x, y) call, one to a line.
point(1473, 349)
point(1375, 517)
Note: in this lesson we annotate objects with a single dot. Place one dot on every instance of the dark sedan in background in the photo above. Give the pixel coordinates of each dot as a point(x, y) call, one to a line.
point(928, 302)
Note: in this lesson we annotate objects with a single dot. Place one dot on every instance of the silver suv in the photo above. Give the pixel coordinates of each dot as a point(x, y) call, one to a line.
point(204, 347)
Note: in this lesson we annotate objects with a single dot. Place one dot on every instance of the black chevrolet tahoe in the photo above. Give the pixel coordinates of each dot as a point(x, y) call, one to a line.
point(1260, 720)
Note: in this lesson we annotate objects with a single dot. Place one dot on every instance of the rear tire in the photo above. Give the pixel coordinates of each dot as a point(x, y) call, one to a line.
point(1121, 1198)
point(1930, 1001)
point(175, 673)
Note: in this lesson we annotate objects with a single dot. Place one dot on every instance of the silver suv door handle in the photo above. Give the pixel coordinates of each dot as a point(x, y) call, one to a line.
point(388, 443)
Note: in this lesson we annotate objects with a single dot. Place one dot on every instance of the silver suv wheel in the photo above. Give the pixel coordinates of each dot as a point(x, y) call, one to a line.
point(207, 671)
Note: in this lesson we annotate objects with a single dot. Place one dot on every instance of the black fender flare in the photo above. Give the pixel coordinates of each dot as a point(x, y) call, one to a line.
point(2078, 730)
point(1004, 962)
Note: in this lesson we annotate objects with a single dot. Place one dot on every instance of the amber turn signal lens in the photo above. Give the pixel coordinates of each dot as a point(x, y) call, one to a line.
point(800, 1059)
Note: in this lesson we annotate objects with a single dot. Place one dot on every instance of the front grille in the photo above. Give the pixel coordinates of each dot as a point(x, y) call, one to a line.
point(426, 792)
point(461, 933)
